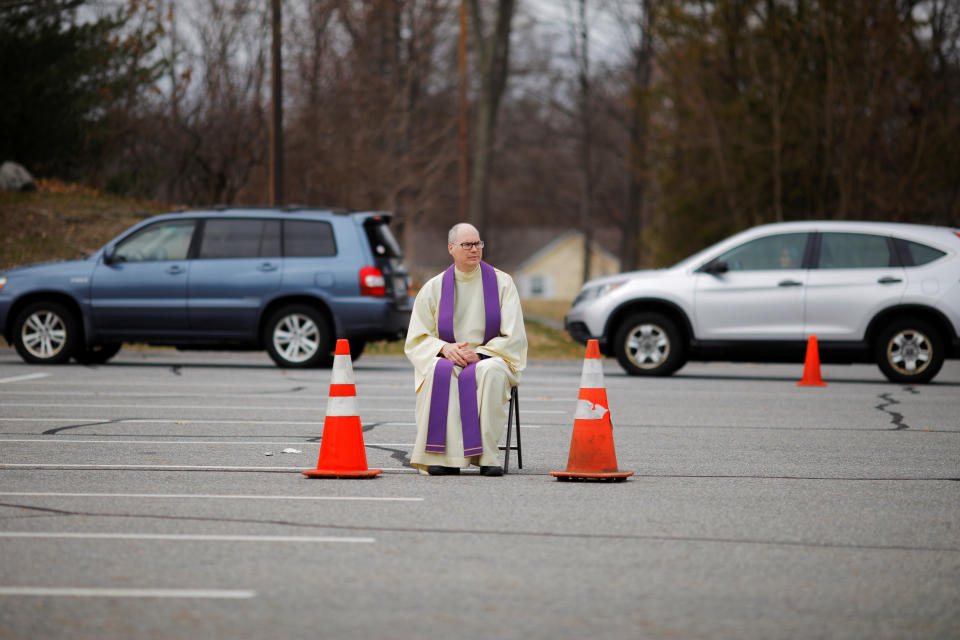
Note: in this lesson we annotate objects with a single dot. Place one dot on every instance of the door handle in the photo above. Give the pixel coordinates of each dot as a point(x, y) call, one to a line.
point(175, 270)
point(789, 283)
point(889, 280)
point(267, 266)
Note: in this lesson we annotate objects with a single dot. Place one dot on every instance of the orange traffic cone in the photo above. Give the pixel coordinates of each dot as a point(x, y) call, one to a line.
point(592, 454)
point(342, 454)
point(811, 366)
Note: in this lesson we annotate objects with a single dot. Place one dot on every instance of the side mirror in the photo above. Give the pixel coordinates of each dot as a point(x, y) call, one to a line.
point(109, 255)
point(716, 267)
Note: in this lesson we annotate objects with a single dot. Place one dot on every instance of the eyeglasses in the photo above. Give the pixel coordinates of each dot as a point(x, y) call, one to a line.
point(467, 246)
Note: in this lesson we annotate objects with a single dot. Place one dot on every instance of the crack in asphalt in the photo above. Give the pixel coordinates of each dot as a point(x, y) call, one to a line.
point(278, 391)
point(400, 455)
point(896, 418)
point(51, 432)
point(493, 532)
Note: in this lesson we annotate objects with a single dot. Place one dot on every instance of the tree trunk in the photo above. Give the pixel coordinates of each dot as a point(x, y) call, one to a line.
point(494, 56)
point(581, 51)
point(639, 132)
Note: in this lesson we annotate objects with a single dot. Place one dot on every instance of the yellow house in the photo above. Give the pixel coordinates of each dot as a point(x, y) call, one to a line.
point(555, 272)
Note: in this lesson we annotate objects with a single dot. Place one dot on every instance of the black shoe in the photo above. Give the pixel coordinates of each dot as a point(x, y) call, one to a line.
point(491, 472)
point(437, 470)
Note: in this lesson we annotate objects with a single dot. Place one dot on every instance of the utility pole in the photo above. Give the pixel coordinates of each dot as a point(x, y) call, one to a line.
point(276, 110)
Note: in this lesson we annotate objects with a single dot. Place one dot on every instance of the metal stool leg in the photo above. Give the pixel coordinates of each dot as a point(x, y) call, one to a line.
point(513, 413)
point(516, 409)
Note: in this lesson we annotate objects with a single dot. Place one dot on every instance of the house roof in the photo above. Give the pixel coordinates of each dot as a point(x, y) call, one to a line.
point(557, 242)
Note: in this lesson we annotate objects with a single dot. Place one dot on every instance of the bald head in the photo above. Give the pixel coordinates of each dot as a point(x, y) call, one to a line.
point(466, 260)
point(460, 228)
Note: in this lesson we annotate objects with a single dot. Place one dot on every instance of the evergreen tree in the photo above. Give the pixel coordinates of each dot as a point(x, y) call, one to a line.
point(60, 79)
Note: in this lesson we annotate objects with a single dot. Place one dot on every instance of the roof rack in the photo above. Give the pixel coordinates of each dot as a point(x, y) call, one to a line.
point(287, 208)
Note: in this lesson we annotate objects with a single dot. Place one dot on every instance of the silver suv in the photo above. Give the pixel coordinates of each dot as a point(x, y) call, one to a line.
point(871, 292)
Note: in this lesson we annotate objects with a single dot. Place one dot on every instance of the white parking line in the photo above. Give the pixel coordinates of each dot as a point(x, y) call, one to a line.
point(201, 496)
point(260, 396)
point(212, 442)
point(99, 421)
point(179, 537)
point(165, 467)
point(74, 592)
point(174, 394)
point(316, 409)
point(179, 407)
point(30, 376)
point(182, 442)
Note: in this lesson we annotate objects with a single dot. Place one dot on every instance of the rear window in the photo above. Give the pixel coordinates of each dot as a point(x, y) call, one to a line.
point(915, 254)
point(381, 238)
point(240, 238)
point(308, 239)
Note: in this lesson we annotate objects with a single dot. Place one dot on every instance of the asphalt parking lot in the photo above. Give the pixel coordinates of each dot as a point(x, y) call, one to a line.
point(151, 498)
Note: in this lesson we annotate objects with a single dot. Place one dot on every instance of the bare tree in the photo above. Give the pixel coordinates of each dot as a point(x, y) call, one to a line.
point(206, 134)
point(493, 53)
point(638, 169)
point(580, 52)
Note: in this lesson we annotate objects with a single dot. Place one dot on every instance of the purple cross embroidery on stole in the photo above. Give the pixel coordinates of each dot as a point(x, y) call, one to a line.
point(467, 381)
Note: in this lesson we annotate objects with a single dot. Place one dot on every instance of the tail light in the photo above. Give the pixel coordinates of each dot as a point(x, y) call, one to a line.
point(372, 282)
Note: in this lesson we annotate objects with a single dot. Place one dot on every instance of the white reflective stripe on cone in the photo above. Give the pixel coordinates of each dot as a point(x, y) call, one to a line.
point(592, 376)
point(342, 406)
point(587, 410)
point(342, 370)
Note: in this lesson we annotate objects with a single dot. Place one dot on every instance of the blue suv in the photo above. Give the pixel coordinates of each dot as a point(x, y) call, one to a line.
point(290, 282)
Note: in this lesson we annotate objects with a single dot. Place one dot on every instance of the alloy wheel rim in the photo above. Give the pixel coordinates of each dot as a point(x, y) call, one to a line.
point(296, 338)
point(648, 346)
point(909, 352)
point(44, 334)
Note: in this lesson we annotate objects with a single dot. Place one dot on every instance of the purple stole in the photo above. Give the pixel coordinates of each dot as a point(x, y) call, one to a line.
point(467, 382)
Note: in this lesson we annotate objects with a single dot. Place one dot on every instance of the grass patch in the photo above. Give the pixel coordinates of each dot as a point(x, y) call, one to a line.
point(63, 222)
point(550, 309)
point(544, 339)
point(543, 342)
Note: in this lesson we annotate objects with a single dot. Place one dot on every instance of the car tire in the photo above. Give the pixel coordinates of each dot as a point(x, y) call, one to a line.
point(909, 350)
point(97, 353)
point(357, 346)
point(46, 333)
point(649, 344)
point(298, 337)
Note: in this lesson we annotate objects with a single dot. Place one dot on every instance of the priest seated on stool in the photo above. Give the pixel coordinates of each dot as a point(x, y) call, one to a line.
point(467, 343)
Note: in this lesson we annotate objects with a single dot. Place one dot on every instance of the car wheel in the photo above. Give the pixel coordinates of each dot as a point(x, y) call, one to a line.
point(298, 337)
point(97, 353)
point(649, 344)
point(46, 333)
point(910, 351)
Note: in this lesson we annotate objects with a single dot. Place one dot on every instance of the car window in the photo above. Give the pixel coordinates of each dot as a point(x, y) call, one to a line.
point(308, 239)
point(162, 241)
point(381, 238)
point(783, 251)
point(240, 238)
point(855, 251)
point(915, 254)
